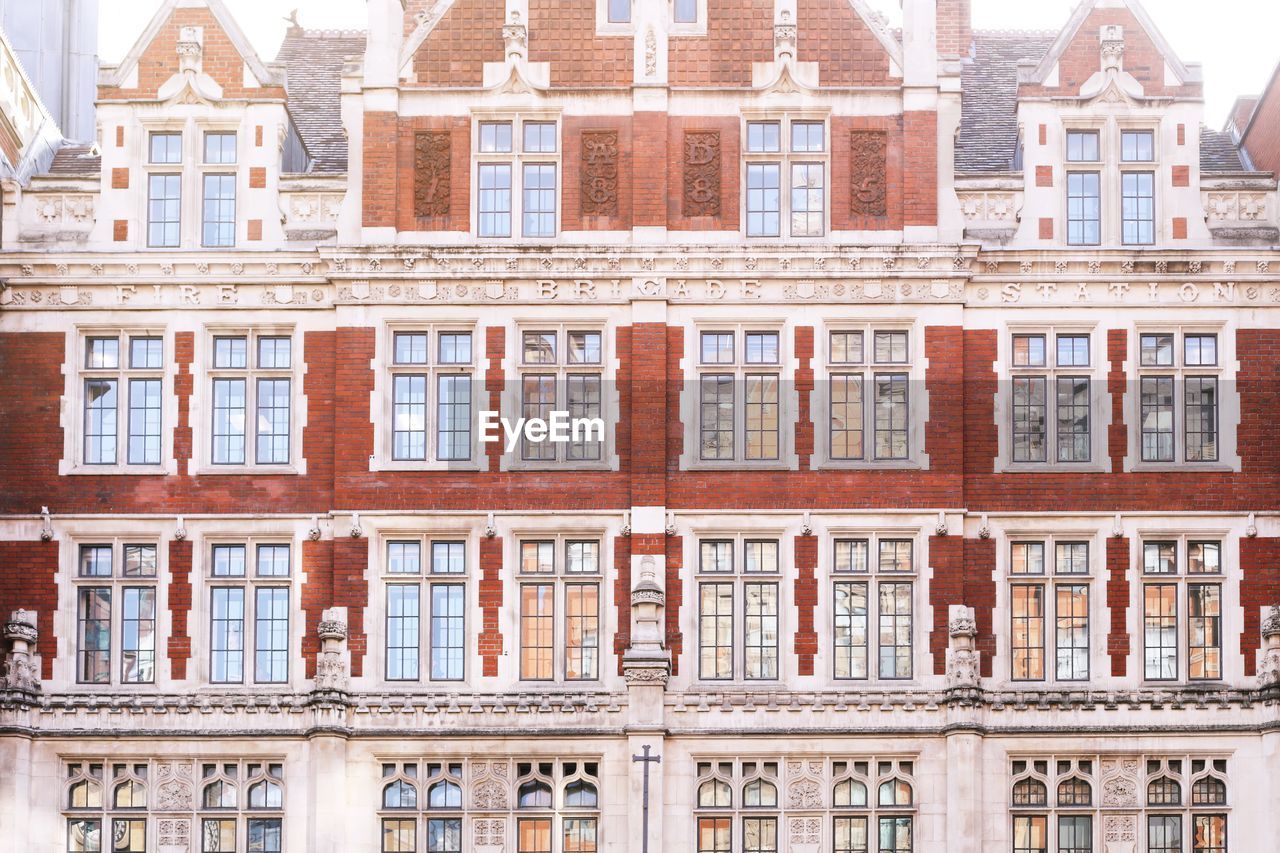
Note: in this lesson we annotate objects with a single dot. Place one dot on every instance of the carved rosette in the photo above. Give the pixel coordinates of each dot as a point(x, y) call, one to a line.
point(867, 172)
point(600, 173)
point(702, 173)
point(431, 184)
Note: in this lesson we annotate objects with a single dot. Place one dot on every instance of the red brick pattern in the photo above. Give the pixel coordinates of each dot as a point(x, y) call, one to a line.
point(253, 230)
point(351, 590)
point(459, 216)
point(804, 391)
point(842, 218)
point(183, 384)
point(1044, 176)
point(622, 595)
point(1118, 603)
point(946, 587)
point(674, 599)
point(1259, 588)
point(120, 230)
point(739, 32)
point(1179, 228)
point(730, 165)
point(120, 178)
point(806, 592)
point(119, 136)
point(920, 175)
point(1262, 135)
point(955, 36)
point(980, 594)
point(832, 34)
point(179, 592)
point(220, 60)
point(468, 36)
point(571, 217)
point(1182, 134)
point(257, 136)
point(649, 154)
point(1182, 176)
point(317, 594)
point(28, 582)
point(257, 177)
point(1046, 228)
point(490, 640)
point(563, 32)
point(1118, 432)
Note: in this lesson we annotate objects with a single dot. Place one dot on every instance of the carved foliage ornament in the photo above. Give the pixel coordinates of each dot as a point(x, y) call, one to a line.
point(600, 173)
point(868, 165)
point(431, 173)
point(702, 173)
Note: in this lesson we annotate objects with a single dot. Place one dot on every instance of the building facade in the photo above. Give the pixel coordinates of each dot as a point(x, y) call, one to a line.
point(937, 505)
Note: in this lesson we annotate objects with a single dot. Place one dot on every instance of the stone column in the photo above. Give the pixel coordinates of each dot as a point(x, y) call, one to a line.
point(326, 766)
point(646, 666)
point(964, 743)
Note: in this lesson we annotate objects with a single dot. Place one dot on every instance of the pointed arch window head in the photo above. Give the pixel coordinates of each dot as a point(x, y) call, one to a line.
point(1209, 791)
point(400, 794)
point(1164, 791)
point(1075, 792)
point(850, 793)
point(130, 794)
point(580, 793)
point(444, 795)
point(1030, 792)
point(895, 792)
point(759, 794)
point(265, 790)
point(86, 791)
point(534, 791)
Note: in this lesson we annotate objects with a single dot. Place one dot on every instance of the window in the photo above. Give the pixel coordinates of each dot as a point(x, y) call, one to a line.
point(431, 390)
point(1166, 370)
point(1082, 146)
point(122, 379)
point(1050, 400)
point(561, 371)
point(536, 162)
point(426, 591)
point(559, 574)
point(1137, 146)
point(252, 373)
point(249, 589)
point(1053, 800)
point(733, 570)
point(425, 805)
point(1165, 584)
point(1138, 207)
point(868, 374)
point(107, 808)
point(1084, 208)
point(115, 590)
point(619, 11)
point(735, 362)
point(1049, 610)
point(219, 191)
point(686, 11)
point(164, 190)
point(872, 576)
point(803, 162)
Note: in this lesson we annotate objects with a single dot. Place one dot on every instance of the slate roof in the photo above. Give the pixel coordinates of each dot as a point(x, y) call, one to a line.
point(76, 158)
point(313, 62)
point(988, 138)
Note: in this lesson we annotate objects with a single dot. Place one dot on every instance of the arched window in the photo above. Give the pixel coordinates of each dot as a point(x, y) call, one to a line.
point(580, 794)
point(220, 794)
point(715, 794)
point(759, 794)
point(1030, 792)
point(444, 795)
point(400, 794)
point(535, 794)
point(265, 795)
point(85, 794)
point(850, 793)
point(1164, 792)
point(895, 792)
point(1209, 791)
point(1075, 792)
point(130, 794)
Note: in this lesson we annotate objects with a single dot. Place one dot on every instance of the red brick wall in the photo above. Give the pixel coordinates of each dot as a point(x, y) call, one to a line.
point(490, 598)
point(806, 592)
point(563, 32)
point(730, 164)
point(572, 217)
point(1262, 141)
point(738, 34)
point(946, 587)
point(804, 392)
point(1259, 588)
point(380, 165)
point(351, 590)
point(622, 596)
point(955, 35)
point(468, 36)
point(675, 600)
point(221, 60)
point(317, 594)
point(1083, 57)
point(179, 606)
point(1118, 603)
point(389, 171)
point(27, 581)
point(920, 178)
point(832, 34)
point(651, 158)
point(842, 217)
point(980, 594)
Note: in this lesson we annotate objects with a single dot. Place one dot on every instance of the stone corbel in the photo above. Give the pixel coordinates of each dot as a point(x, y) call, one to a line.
point(963, 658)
point(1269, 657)
point(46, 525)
point(626, 523)
point(21, 663)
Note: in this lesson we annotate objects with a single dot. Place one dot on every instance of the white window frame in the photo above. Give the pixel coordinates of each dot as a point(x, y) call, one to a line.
point(117, 582)
point(424, 579)
point(560, 579)
point(1183, 578)
point(1049, 580)
point(384, 384)
point(204, 169)
point(785, 158)
point(250, 582)
point(73, 454)
point(517, 158)
point(738, 577)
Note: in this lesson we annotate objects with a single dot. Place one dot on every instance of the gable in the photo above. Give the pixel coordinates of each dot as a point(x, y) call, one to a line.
point(739, 32)
point(221, 59)
point(467, 36)
point(832, 34)
point(563, 33)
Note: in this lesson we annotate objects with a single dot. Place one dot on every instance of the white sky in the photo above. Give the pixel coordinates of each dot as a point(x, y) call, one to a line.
point(1234, 39)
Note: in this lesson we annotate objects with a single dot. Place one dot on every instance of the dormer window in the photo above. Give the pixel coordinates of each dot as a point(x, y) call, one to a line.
point(686, 11)
point(619, 11)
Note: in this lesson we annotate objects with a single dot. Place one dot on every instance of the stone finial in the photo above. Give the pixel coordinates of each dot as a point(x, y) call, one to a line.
point(784, 37)
point(646, 661)
point(963, 658)
point(356, 530)
point(1112, 45)
point(516, 37)
point(21, 663)
point(313, 533)
point(333, 669)
point(490, 527)
point(1251, 526)
point(1269, 658)
point(180, 529)
point(191, 50)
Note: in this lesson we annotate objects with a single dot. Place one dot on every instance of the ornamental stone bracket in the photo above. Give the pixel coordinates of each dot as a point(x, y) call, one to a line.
point(963, 658)
point(1269, 657)
point(646, 663)
point(333, 667)
point(21, 675)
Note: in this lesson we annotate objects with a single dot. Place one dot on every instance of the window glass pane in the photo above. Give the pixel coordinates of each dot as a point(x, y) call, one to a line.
point(402, 631)
point(584, 395)
point(1072, 632)
point(764, 199)
point(139, 561)
point(847, 416)
point(760, 556)
point(1027, 609)
point(1160, 558)
point(582, 557)
point(166, 148)
point(851, 555)
point(1073, 350)
point(539, 347)
point(1201, 418)
point(763, 136)
point(1072, 558)
point(716, 556)
point(1084, 209)
point(1073, 418)
point(146, 353)
point(1082, 146)
point(891, 416)
point(448, 558)
point(495, 198)
point(1200, 350)
point(228, 561)
point(1030, 418)
point(895, 630)
point(164, 211)
point(1137, 146)
point(409, 417)
point(455, 348)
point(219, 211)
point(1156, 350)
point(582, 631)
point(138, 635)
point(808, 181)
point(807, 136)
point(537, 631)
point(274, 400)
point(271, 633)
point(762, 347)
point(717, 347)
point(219, 148)
point(846, 348)
point(717, 404)
point(762, 421)
point(404, 558)
point(619, 11)
point(538, 557)
point(539, 200)
point(1204, 558)
point(895, 555)
point(102, 353)
point(890, 347)
point(273, 353)
point(1030, 834)
point(230, 352)
point(273, 561)
point(100, 421)
point(495, 136)
point(539, 137)
point(226, 634)
point(584, 347)
point(1027, 558)
point(1028, 350)
point(715, 630)
point(850, 630)
point(1160, 631)
point(1138, 207)
point(94, 635)
point(453, 423)
point(447, 631)
point(1156, 418)
point(1204, 614)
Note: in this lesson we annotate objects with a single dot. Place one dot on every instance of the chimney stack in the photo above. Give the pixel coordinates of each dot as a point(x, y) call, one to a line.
point(955, 29)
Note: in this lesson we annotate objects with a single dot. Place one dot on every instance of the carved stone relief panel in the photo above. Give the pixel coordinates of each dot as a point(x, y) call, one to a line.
point(431, 184)
point(869, 150)
point(600, 173)
point(702, 173)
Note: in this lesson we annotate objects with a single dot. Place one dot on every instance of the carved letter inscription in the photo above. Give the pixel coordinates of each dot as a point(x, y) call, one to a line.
point(869, 149)
point(702, 173)
point(600, 173)
point(431, 173)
